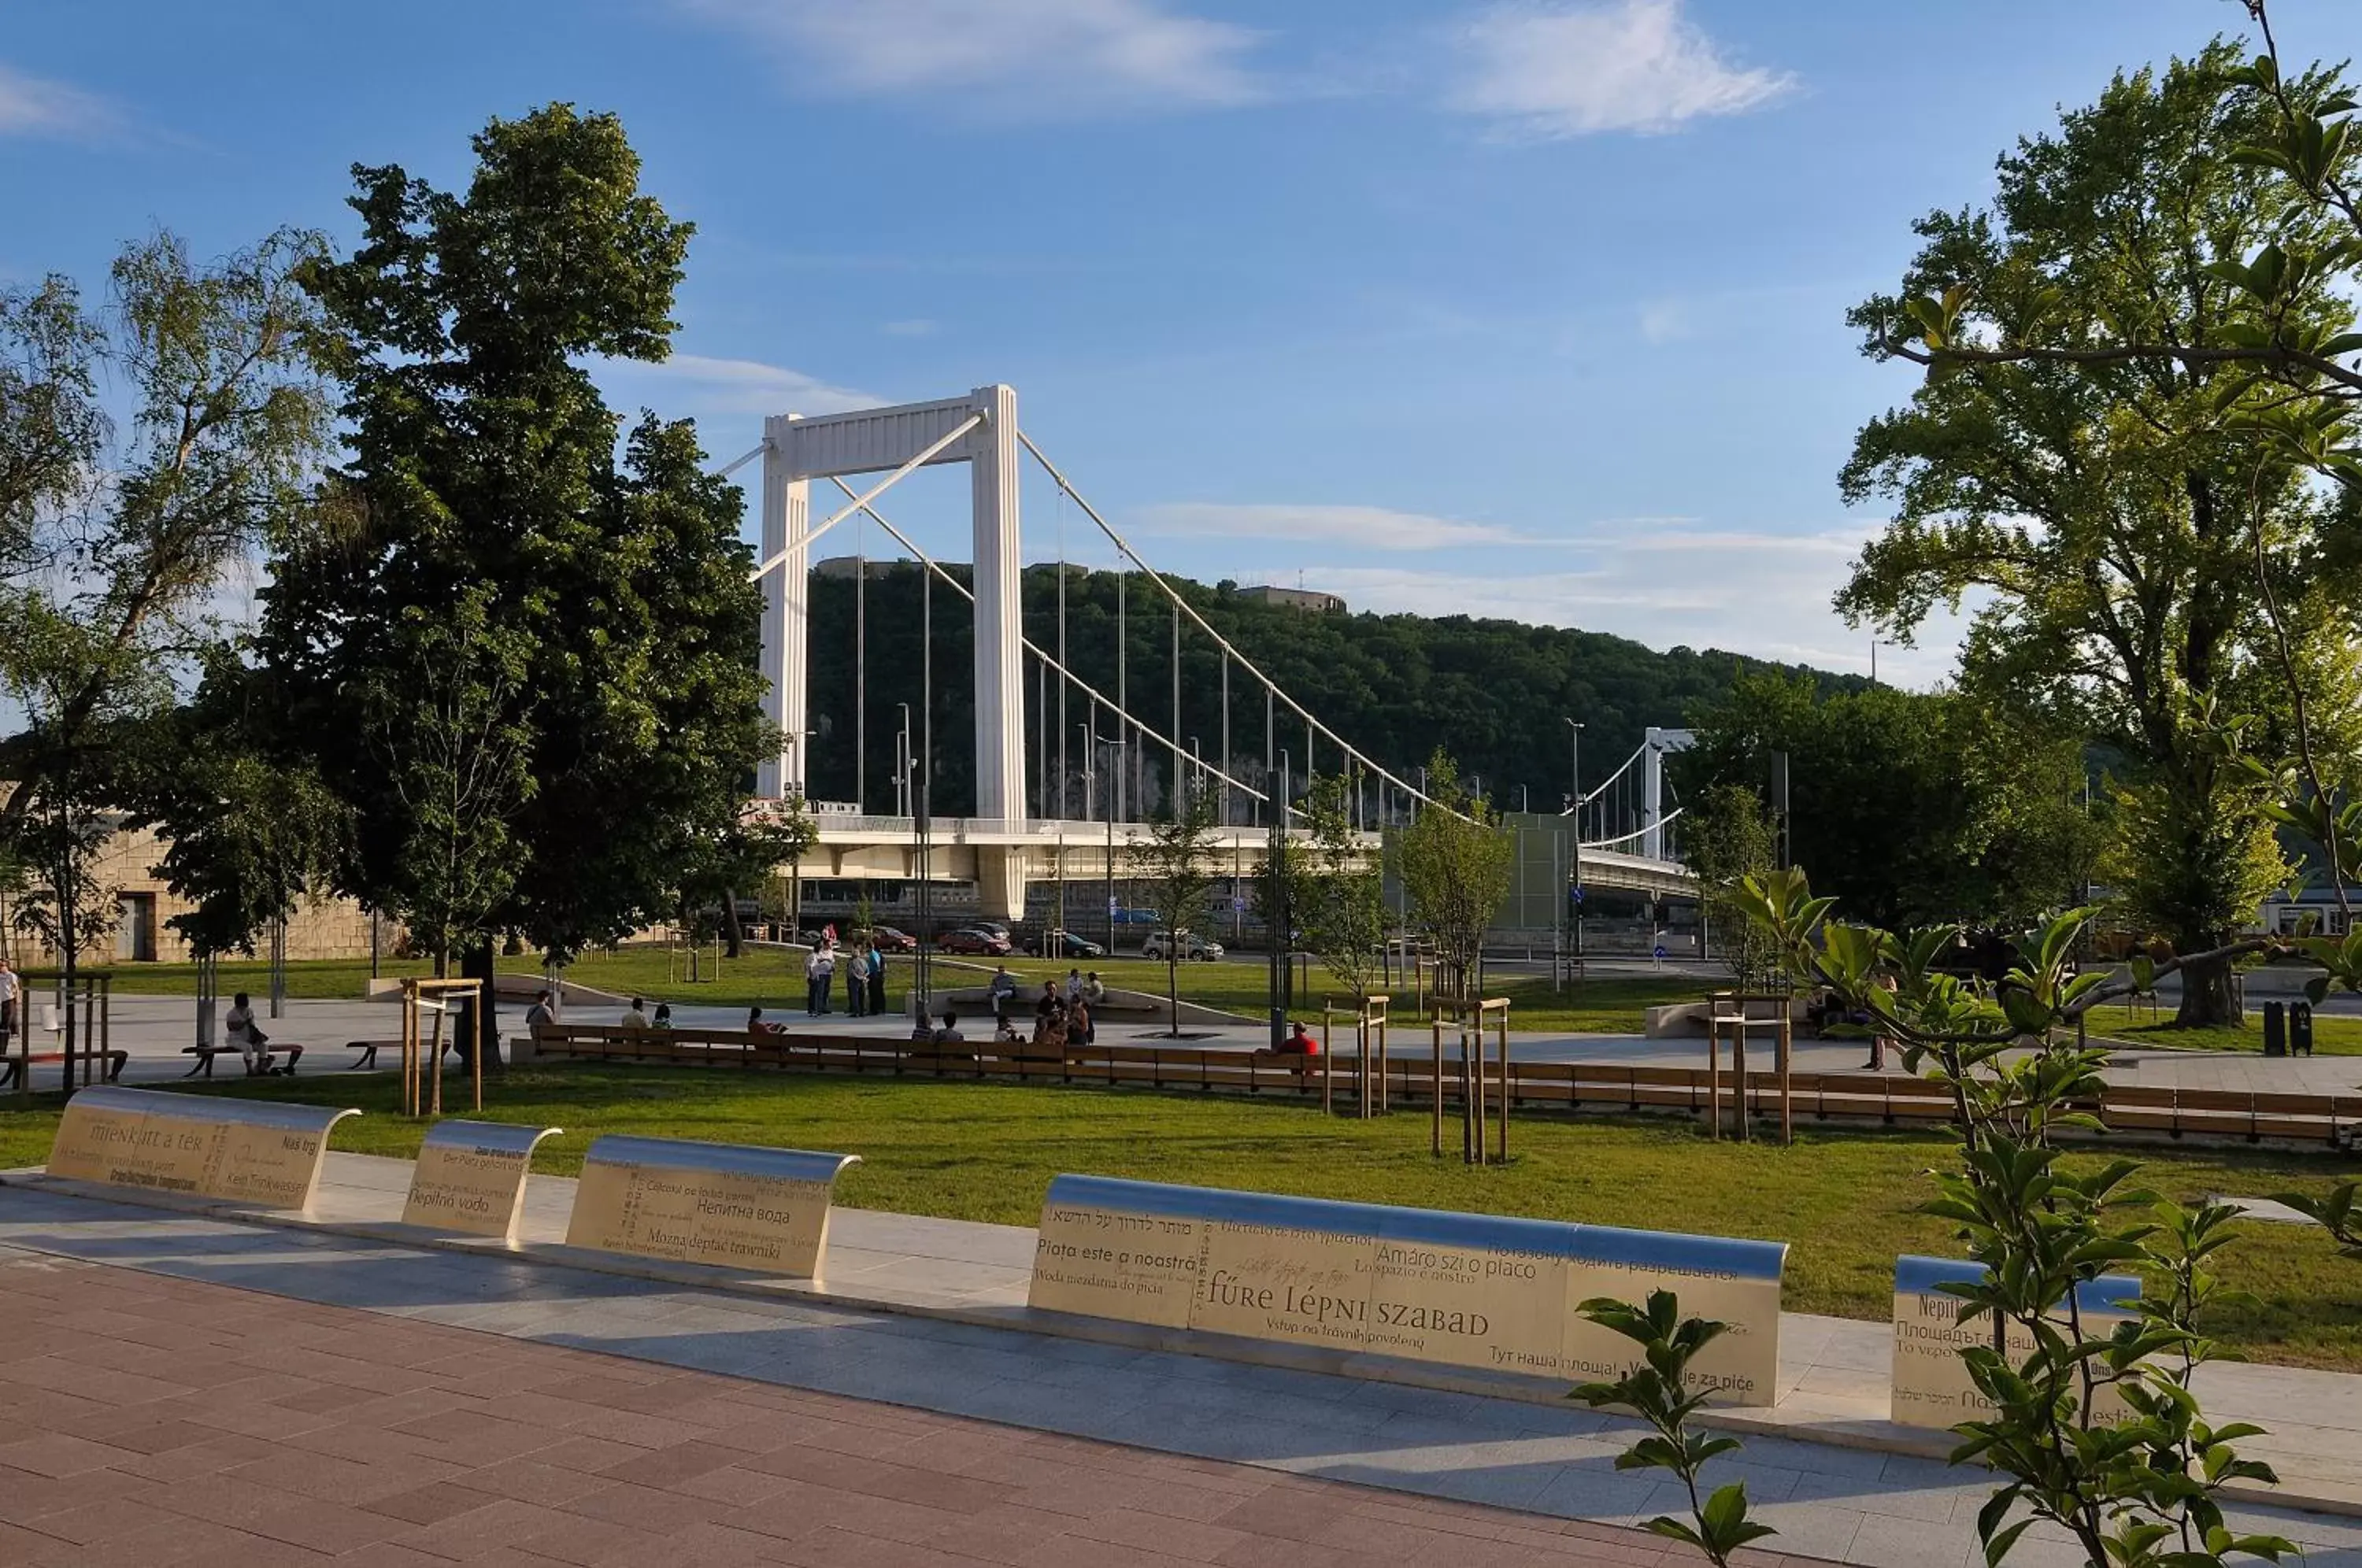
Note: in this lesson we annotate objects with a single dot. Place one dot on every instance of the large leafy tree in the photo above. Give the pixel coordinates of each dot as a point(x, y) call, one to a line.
point(2105, 517)
point(1913, 806)
point(527, 661)
point(114, 540)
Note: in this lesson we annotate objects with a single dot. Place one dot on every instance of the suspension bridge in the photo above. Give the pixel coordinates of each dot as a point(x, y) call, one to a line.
point(1618, 835)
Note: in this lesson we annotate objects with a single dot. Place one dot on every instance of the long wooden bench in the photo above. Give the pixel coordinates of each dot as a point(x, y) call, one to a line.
point(1889, 1099)
point(13, 1068)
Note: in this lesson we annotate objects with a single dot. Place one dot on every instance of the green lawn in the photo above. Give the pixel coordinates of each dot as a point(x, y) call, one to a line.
point(768, 978)
point(986, 1152)
point(2333, 1035)
point(1609, 1005)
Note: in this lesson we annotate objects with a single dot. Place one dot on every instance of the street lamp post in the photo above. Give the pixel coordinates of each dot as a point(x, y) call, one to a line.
point(1574, 841)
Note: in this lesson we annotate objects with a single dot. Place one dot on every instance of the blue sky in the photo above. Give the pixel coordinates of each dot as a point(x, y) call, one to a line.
point(1531, 309)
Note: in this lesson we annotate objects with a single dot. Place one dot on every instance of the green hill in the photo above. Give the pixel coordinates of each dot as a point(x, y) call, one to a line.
point(1494, 693)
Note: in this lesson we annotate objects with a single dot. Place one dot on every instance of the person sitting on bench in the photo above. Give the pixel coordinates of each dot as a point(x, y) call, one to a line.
point(755, 1024)
point(240, 1030)
point(253, 1044)
point(1299, 1044)
point(949, 1034)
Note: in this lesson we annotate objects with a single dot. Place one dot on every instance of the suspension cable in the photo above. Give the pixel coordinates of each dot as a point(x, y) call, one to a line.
point(1122, 544)
point(956, 586)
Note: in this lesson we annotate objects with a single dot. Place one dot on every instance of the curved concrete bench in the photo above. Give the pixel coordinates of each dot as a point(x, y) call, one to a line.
point(202, 1145)
point(731, 1205)
point(1362, 1279)
point(470, 1178)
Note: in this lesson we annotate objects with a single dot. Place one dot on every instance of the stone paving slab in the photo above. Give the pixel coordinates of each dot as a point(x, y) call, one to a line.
point(1884, 1510)
point(156, 1421)
point(1834, 1372)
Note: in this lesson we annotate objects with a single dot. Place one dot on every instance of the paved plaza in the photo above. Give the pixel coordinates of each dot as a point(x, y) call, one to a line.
point(155, 1420)
point(871, 1419)
point(154, 1029)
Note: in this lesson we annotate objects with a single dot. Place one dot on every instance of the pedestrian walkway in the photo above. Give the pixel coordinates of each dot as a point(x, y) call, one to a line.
point(1837, 1500)
point(155, 1421)
point(154, 1029)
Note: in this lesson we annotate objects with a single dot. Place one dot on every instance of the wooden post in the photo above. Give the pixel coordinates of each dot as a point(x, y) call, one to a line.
point(436, 1070)
point(1504, 1151)
point(1380, 1004)
point(1787, 1104)
point(1468, 1092)
point(1328, 1059)
point(1713, 1070)
point(476, 1052)
point(1738, 1066)
point(408, 1048)
point(1436, 1074)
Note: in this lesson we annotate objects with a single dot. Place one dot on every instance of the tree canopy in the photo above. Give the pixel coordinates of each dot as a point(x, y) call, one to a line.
point(2102, 519)
point(524, 658)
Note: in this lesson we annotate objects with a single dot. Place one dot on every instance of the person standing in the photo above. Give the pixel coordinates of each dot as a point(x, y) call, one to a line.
point(857, 982)
point(811, 981)
point(876, 979)
point(827, 960)
point(10, 986)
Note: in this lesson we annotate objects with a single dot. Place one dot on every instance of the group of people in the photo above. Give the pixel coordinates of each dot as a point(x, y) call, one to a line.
point(1823, 1012)
point(864, 977)
point(1062, 1014)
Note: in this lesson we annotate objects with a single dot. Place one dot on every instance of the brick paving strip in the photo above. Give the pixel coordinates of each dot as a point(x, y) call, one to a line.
point(148, 1421)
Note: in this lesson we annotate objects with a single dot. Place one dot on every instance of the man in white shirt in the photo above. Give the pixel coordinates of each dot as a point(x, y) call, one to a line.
point(10, 989)
point(635, 1016)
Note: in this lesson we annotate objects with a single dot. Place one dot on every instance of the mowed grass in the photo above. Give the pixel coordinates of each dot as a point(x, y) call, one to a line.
point(771, 978)
point(1607, 1005)
point(2333, 1034)
point(1844, 1200)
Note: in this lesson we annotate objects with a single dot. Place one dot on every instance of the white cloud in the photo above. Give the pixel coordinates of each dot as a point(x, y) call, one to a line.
point(1666, 321)
point(1370, 527)
point(1549, 71)
point(1029, 56)
point(31, 106)
point(1760, 593)
point(711, 386)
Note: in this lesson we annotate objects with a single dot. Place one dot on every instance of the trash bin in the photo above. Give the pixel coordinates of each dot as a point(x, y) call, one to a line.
point(2274, 1029)
point(2300, 1029)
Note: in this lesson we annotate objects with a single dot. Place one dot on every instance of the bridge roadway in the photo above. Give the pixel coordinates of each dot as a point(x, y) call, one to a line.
point(1002, 855)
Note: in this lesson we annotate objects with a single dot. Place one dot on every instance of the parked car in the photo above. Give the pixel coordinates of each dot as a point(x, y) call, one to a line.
point(1069, 945)
point(1185, 943)
point(892, 940)
point(991, 928)
point(977, 942)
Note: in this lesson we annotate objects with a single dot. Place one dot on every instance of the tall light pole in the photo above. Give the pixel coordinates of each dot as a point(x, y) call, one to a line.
point(1574, 840)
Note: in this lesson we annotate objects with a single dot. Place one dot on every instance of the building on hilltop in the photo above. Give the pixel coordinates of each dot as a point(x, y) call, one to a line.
point(848, 568)
point(1295, 599)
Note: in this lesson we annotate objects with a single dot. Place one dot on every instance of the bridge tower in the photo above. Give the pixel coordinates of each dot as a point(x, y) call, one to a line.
point(979, 430)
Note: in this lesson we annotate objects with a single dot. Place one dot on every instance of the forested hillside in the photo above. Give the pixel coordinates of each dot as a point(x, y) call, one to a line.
point(1491, 693)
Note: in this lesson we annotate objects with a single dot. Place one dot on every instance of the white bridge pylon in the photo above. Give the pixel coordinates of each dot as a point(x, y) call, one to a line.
point(979, 430)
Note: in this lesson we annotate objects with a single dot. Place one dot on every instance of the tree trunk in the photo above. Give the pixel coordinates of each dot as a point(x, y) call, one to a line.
point(732, 936)
point(2208, 996)
point(1173, 989)
point(476, 964)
